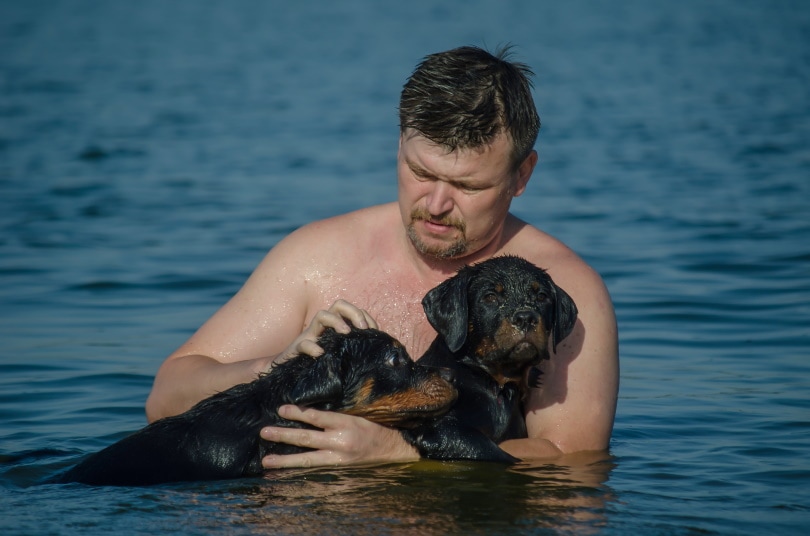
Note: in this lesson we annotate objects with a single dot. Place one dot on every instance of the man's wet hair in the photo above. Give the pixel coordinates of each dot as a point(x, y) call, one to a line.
point(465, 97)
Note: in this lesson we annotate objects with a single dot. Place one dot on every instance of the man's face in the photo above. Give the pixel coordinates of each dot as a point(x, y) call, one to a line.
point(455, 203)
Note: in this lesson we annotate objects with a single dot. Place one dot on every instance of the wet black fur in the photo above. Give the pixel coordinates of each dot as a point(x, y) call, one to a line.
point(465, 310)
point(219, 437)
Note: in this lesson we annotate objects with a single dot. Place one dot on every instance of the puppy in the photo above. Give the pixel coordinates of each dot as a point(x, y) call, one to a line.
point(494, 321)
point(366, 373)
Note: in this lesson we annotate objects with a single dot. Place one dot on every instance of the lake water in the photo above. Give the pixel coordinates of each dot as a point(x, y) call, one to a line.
point(151, 152)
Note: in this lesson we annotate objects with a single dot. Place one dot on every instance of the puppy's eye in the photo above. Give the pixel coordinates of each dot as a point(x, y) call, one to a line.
point(490, 297)
point(395, 359)
point(541, 296)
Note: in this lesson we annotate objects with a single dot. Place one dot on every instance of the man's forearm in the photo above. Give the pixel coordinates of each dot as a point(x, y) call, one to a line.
point(531, 448)
point(182, 382)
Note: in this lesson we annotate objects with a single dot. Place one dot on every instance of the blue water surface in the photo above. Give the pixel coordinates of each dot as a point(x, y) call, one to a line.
point(151, 153)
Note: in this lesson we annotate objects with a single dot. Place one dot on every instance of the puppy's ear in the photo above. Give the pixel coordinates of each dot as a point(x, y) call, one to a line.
point(320, 385)
point(565, 315)
point(447, 310)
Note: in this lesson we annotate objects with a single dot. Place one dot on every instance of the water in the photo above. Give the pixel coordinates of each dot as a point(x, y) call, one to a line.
point(151, 152)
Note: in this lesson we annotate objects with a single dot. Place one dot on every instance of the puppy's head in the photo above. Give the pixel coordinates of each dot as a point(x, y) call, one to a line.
point(500, 314)
point(368, 373)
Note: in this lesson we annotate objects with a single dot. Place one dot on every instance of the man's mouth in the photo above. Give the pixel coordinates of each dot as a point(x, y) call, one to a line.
point(436, 225)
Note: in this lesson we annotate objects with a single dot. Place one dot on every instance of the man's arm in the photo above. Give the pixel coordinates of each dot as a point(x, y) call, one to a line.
point(251, 330)
point(184, 380)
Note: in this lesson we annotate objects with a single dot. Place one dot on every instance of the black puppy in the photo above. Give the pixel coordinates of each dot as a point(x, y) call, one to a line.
point(366, 373)
point(494, 320)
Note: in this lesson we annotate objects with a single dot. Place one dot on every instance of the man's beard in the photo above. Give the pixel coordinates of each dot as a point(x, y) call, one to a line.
point(455, 249)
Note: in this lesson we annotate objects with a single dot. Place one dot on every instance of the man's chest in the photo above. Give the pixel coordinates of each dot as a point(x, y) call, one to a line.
point(393, 302)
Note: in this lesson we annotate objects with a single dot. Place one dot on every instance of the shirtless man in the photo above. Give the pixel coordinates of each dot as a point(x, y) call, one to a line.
point(468, 127)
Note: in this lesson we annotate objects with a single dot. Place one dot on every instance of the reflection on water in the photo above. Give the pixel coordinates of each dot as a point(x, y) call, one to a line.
point(425, 498)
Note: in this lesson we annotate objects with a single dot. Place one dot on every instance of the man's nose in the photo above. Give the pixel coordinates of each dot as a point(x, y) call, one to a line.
point(440, 199)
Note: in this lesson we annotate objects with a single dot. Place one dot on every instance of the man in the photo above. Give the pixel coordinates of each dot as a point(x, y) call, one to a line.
point(468, 127)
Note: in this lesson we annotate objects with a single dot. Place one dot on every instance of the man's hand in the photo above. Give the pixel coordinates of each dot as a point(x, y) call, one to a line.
point(340, 317)
point(341, 440)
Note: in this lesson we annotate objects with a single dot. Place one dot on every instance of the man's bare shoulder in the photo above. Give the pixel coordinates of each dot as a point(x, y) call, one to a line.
point(339, 232)
point(566, 267)
point(346, 228)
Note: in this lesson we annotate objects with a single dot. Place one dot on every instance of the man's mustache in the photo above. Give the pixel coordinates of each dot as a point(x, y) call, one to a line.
point(422, 214)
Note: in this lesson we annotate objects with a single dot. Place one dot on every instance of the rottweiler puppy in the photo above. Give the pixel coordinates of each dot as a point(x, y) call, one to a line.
point(366, 373)
point(494, 322)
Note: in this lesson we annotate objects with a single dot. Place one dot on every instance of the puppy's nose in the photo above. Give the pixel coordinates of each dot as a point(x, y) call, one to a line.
point(524, 319)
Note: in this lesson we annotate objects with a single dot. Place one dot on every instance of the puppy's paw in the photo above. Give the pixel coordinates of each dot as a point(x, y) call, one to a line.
point(534, 378)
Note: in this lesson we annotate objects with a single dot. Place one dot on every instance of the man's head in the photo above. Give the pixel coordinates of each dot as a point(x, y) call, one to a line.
point(465, 97)
point(468, 127)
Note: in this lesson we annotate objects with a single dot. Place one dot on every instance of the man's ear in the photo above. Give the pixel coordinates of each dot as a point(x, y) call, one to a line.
point(446, 309)
point(524, 173)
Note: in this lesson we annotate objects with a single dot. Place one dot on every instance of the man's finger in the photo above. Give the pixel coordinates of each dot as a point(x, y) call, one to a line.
point(328, 319)
point(370, 320)
point(310, 348)
point(356, 316)
point(292, 436)
point(317, 418)
point(302, 460)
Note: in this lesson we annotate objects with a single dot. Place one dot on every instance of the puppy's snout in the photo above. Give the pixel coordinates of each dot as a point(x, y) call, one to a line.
point(524, 319)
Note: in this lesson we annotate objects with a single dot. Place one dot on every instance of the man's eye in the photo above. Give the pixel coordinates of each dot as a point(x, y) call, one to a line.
point(421, 175)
